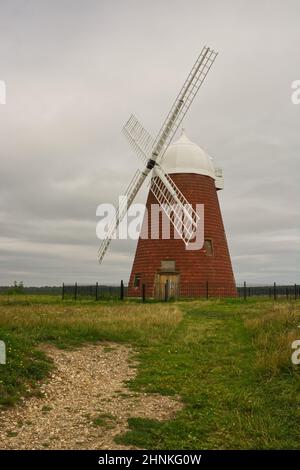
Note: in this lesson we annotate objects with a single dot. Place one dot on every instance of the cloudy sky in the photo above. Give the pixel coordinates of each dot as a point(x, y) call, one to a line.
point(75, 70)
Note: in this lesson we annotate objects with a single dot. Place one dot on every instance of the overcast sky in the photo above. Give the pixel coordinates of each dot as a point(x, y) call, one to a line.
point(75, 70)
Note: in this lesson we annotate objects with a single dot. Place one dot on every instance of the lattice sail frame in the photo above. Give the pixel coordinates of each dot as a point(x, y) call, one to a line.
point(177, 208)
point(139, 139)
point(184, 99)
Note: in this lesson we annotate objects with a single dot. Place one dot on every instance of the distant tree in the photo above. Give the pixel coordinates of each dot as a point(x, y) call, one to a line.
point(17, 288)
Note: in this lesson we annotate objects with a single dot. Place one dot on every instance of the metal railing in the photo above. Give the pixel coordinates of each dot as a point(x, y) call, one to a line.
point(169, 291)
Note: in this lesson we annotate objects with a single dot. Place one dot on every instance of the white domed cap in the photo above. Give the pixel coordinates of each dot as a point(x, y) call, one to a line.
point(183, 156)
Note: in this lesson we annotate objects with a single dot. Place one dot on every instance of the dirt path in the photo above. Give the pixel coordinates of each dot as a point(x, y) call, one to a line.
point(85, 403)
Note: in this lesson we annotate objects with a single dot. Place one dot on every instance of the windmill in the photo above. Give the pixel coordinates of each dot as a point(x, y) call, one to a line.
point(173, 202)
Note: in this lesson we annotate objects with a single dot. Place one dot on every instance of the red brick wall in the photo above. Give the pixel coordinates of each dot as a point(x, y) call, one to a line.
point(195, 267)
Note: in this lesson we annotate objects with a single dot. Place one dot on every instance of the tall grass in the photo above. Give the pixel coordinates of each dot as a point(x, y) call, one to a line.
point(71, 323)
point(273, 331)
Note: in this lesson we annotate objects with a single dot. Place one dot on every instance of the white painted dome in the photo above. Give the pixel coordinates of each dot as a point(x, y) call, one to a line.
point(183, 156)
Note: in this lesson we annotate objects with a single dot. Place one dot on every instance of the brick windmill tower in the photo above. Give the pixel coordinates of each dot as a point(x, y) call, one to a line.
point(182, 176)
point(194, 272)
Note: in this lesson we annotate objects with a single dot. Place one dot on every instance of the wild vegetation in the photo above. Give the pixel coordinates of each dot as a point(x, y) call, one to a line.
point(229, 361)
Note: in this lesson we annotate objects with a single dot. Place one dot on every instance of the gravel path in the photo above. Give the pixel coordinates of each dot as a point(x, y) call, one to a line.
point(85, 402)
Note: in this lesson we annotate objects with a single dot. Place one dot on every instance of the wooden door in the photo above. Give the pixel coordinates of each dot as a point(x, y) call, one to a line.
point(173, 285)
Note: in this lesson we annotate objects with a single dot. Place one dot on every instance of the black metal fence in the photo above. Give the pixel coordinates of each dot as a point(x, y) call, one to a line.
point(289, 291)
point(168, 291)
point(94, 291)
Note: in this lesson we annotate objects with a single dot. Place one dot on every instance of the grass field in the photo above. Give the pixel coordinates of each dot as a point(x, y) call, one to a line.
point(229, 361)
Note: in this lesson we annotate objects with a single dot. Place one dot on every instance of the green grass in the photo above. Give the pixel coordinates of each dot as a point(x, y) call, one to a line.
point(228, 361)
point(103, 420)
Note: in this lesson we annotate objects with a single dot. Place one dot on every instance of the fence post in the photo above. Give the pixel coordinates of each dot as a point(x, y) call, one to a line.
point(166, 291)
point(96, 290)
point(245, 290)
point(275, 291)
point(63, 291)
point(287, 292)
point(207, 290)
point(75, 291)
point(144, 292)
point(122, 291)
point(295, 291)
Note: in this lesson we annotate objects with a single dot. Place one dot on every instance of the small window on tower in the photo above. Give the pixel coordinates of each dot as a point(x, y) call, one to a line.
point(137, 280)
point(208, 247)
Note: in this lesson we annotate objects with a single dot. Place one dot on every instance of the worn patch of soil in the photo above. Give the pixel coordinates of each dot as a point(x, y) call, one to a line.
point(85, 402)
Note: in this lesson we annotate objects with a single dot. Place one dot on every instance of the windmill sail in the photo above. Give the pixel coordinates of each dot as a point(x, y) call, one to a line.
point(184, 99)
point(130, 193)
point(139, 139)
